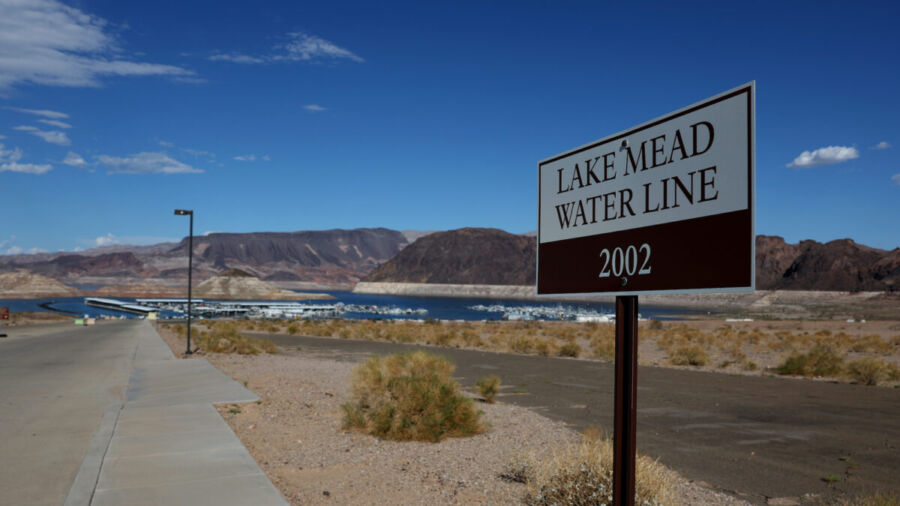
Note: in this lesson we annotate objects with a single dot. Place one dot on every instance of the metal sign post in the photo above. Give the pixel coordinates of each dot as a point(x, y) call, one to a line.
point(625, 423)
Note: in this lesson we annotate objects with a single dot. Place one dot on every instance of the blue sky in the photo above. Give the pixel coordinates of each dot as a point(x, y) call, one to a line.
point(270, 116)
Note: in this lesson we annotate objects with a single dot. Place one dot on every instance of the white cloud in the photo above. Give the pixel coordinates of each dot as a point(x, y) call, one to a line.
point(237, 58)
point(51, 136)
point(824, 156)
point(896, 178)
point(166, 144)
point(198, 152)
point(313, 108)
point(307, 47)
point(40, 112)
point(246, 158)
point(266, 158)
point(138, 240)
point(15, 250)
point(882, 145)
point(299, 47)
point(74, 159)
point(56, 123)
point(146, 163)
point(2, 136)
point(106, 240)
point(49, 43)
point(9, 161)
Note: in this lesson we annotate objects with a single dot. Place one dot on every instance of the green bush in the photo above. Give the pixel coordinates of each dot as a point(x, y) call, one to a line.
point(410, 396)
point(820, 361)
point(488, 387)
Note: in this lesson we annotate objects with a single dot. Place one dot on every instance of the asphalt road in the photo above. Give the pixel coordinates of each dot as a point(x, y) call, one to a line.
point(754, 437)
point(55, 382)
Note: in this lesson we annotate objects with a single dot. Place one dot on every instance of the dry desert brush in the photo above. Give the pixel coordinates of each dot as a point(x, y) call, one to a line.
point(410, 396)
point(488, 387)
point(581, 473)
point(822, 360)
point(225, 337)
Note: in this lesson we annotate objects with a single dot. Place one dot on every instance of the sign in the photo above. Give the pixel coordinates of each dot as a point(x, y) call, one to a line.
point(666, 206)
point(4, 313)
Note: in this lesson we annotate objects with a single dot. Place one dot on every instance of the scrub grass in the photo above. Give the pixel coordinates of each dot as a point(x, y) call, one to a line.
point(822, 360)
point(488, 387)
point(225, 337)
point(582, 473)
point(889, 498)
point(871, 371)
point(789, 348)
point(410, 397)
point(690, 355)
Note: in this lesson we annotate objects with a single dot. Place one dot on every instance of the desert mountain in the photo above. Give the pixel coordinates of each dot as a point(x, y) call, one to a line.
point(484, 256)
point(333, 258)
point(235, 284)
point(491, 256)
point(25, 285)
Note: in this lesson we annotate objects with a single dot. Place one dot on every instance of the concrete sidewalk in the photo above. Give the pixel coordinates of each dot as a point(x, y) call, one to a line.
point(167, 445)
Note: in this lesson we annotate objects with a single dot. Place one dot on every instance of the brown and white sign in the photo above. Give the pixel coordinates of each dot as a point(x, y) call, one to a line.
point(666, 206)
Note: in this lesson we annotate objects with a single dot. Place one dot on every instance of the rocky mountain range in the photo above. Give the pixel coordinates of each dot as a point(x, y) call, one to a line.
point(491, 256)
point(327, 258)
point(341, 258)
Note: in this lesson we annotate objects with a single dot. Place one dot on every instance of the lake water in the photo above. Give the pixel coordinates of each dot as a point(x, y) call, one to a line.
point(441, 308)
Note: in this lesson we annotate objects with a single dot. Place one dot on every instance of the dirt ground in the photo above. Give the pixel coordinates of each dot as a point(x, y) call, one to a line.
point(295, 435)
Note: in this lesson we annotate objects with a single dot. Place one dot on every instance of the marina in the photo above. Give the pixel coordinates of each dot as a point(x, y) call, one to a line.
point(348, 305)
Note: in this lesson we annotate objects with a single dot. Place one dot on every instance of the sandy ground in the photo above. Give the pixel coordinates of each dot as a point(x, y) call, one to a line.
point(295, 434)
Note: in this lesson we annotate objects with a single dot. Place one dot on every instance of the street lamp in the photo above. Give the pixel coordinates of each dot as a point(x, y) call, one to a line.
point(183, 212)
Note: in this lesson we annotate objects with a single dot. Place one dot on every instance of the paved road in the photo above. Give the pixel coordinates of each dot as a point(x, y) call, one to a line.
point(55, 382)
point(756, 437)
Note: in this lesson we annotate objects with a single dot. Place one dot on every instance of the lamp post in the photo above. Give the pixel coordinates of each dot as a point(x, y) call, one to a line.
point(182, 212)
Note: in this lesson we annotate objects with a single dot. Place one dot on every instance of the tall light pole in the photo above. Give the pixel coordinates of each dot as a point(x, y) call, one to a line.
point(182, 212)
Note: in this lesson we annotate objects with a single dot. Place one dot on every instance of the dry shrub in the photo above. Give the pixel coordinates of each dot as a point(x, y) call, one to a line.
point(488, 387)
point(868, 371)
point(522, 345)
point(544, 347)
point(820, 361)
point(581, 473)
point(689, 355)
point(603, 347)
point(410, 396)
point(471, 339)
point(224, 337)
point(569, 350)
point(888, 498)
point(872, 343)
point(292, 329)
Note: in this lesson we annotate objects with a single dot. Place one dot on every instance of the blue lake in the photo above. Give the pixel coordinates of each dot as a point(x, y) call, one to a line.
point(441, 308)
